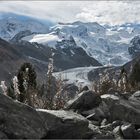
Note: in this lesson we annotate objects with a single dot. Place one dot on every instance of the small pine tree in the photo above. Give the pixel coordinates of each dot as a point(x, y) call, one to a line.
point(10, 92)
point(123, 70)
point(105, 83)
point(123, 80)
point(41, 90)
point(26, 82)
point(49, 96)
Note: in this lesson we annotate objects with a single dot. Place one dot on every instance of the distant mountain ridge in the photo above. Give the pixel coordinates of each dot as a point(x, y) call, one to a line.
point(11, 24)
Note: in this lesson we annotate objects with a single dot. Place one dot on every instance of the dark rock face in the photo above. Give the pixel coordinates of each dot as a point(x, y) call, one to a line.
point(85, 88)
point(66, 58)
point(67, 43)
point(70, 89)
point(64, 124)
point(19, 121)
point(20, 35)
point(134, 48)
point(84, 101)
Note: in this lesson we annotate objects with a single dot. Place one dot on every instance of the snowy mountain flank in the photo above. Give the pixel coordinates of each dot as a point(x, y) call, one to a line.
point(11, 24)
point(107, 44)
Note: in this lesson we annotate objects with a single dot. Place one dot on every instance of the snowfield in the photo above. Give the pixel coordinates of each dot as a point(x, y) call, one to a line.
point(44, 39)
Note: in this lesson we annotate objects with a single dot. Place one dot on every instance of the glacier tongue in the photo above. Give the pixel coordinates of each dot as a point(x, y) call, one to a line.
point(78, 76)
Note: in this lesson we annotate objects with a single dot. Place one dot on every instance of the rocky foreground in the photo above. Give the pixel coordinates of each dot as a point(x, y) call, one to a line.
point(88, 116)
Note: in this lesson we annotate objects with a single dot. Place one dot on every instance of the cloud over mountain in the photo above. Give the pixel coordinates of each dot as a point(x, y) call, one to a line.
point(104, 12)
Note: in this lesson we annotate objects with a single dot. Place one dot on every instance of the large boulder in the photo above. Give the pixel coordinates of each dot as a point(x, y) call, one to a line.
point(134, 99)
point(98, 113)
point(137, 134)
point(18, 120)
point(135, 96)
point(84, 101)
point(99, 133)
point(121, 109)
point(64, 124)
point(3, 135)
point(117, 133)
point(128, 131)
point(95, 132)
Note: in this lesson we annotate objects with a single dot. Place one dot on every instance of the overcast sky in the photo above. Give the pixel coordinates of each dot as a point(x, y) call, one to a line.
point(104, 12)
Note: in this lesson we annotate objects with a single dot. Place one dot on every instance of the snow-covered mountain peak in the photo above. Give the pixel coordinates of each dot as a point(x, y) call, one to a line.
point(79, 27)
point(109, 45)
point(11, 24)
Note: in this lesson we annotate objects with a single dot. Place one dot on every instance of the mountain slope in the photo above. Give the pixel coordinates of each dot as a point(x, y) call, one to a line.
point(15, 54)
point(10, 58)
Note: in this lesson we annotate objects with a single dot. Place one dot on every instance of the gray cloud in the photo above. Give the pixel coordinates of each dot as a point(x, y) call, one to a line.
point(104, 12)
point(111, 12)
